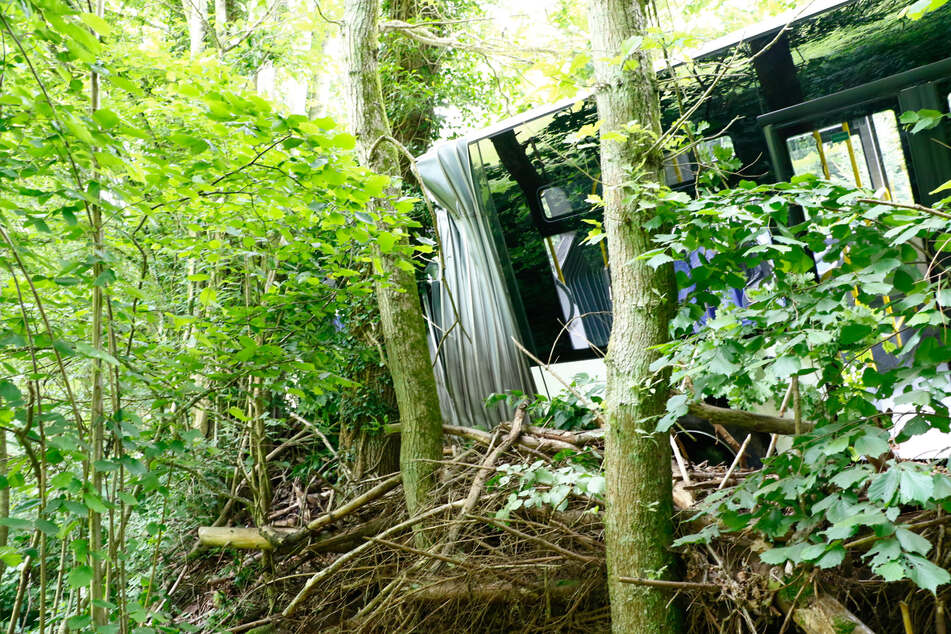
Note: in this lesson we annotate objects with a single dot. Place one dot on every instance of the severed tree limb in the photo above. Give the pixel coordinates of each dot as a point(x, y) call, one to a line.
point(823, 614)
point(748, 421)
point(239, 537)
point(579, 438)
point(270, 539)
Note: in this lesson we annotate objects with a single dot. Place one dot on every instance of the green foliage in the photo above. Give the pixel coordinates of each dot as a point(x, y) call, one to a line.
point(562, 411)
point(542, 485)
point(868, 341)
point(916, 121)
point(231, 247)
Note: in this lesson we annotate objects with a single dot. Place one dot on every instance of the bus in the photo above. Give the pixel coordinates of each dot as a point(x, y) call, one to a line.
point(821, 92)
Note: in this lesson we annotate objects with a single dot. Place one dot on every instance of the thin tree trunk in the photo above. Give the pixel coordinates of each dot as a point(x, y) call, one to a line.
point(639, 500)
point(403, 329)
point(196, 17)
point(221, 19)
point(97, 407)
point(4, 495)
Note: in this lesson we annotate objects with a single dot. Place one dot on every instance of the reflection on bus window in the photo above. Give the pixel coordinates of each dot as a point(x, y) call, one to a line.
point(682, 168)
point(862, 152)
point(678, 169)
point(538, 177)
point(567, 197)
point(711, 151)
point(584, 292)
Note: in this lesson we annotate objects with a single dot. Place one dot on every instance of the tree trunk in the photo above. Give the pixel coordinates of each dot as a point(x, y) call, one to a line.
point(196, 17)
point(4, 495)
point(400, 314)
point(639, 499)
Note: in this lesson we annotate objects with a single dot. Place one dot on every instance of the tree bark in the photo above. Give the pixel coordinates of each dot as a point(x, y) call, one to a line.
point(4, 495)
point(196, 17)
point(639, 499)
point(403, 329)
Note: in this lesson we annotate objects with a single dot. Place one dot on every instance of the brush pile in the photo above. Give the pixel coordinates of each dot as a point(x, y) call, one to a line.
point(489, 557)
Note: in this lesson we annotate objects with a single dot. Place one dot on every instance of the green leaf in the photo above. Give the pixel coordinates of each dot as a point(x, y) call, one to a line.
point(106, 118)
point(832, 557)
point(10, 392)
point(128, 498)
point(848, 478)
point(16, 523)
point(126, 85)
point(76, 508)
point(95, 503)
point(386, 241)
point(237, 413)
point(10, 557)
point(94, 353)
point(925, 574)
point(884, 486)
point(941, 188)
point(853, 333)
point(785, 366)
point(871, 444)
point(208, 296)
point(96, 23)
point(191, 143)
point(344, 140)
point(891, 571)
point(79, 577)
point(63, 480)
point(915, 486)
point(912, 542)
point(776, 556)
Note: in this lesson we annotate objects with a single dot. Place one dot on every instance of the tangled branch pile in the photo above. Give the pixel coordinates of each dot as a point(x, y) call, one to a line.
point(476, 561)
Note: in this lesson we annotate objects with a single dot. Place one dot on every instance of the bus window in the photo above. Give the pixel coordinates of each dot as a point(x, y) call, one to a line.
point(862, 152)
point(678, 169)
point(893, 157)
point(568, 197)
point(717, 149)
point(682, 168)
point(581, 278)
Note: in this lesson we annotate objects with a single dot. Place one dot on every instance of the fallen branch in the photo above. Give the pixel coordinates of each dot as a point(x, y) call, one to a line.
point(824, 614)
point(270, 538)
point(672, 585)
point(238, 537)
point(499, 592)
point(736, 461)
point(587, 559)
point(748, 421)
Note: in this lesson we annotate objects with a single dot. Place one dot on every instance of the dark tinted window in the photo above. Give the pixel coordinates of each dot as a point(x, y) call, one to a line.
point(539, 176)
